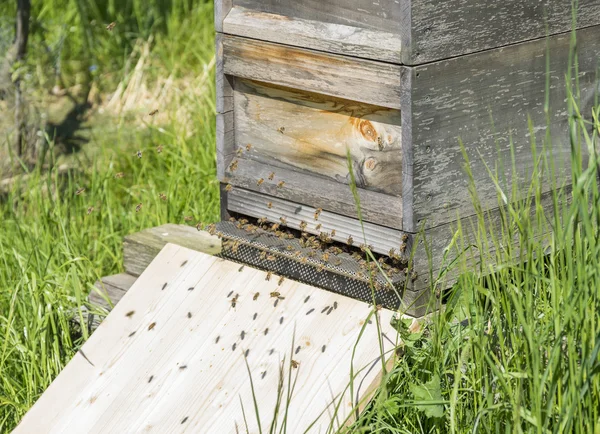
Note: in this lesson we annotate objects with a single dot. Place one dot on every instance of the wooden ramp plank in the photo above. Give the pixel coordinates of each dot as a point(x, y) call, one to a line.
point(170, 356)
point(112, 287)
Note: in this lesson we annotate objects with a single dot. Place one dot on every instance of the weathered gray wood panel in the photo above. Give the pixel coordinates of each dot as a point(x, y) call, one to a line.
point(350, 78)
point(312, 133)
point(449, 28)
point(140, 248)
point(314, 34)
point(485, 100)
point(382, 239)
point(222, 8)
point(223, 83)
point(225, 141)
point(381, 15)
point(316, 191)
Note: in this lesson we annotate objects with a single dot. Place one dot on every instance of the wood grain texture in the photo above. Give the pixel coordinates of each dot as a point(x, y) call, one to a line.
point(112, 288)
point(312, 133)
point(350, 78)
point(316, 191)
point(223, 82)
point(444, 29)
point(254, 204)
point(140, 248)
point(485, 100)
point(383, 15)
point(154, 364)
point(225, 139)
point(366, 43)
point(222, 8)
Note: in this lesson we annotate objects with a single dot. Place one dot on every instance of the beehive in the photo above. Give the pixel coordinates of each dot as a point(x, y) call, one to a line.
point(396, 85)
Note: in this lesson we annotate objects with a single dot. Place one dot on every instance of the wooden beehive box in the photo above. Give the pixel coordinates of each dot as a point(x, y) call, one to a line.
point(395, 84)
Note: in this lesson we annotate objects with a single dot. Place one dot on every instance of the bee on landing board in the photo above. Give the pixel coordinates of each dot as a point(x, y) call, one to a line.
point(271, 176)
point(280, 184)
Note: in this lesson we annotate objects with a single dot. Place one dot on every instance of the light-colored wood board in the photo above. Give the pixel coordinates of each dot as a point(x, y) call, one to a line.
point(308, 132)
point(314, 34)
point(223, 82)
point(345, 77)
point(487, 108)
point(112, 287)
point(253, 204)
point(225, 139)
point(175, 376)
point(140, 248)
point(384, 15)
point(222, 9)
point(316, 191)
point(450, 28)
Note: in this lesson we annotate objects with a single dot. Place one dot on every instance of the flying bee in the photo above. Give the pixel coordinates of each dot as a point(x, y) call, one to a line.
point(188, 218)
point(153, 112)
point(350, 240)
point(275, 294)
point(268, 277)
point(159, 149)
point(280, 184)
point(318, 227)
point(256, 296)
point(79, 191)
point(248, 147)
point(295, 364)
point(283, 220)
point(111, 26)
point(280, 282)
point(271, 176)
point(162, 196)
point(233, 166)
point(139, 153)
point(281, 130)
point(119, 175)
point(260, 181)
point(303, 225)
point(90, 210)
point(234, 300)
point(289, 247)
point(318, 213)
point(229, 187)
point(138, 208)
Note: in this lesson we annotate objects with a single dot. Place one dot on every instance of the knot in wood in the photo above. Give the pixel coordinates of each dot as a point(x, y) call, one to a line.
point(371, 163)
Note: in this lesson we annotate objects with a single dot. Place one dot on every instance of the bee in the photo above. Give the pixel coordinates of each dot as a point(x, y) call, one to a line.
point(318, 213)
point(325, 257)
point(199, 226)
point(403, 248)
point(235, 248)
point(392, 252)
point(119, 175)
point(281, 130)
point(337, 261)
point(111, 26)
point(283, 220)
point(234, 300)
point(153, 112)
point(260, 181)
point(295, 364)
point(139, 153)
point(274, 226)
point(320, 268)
point(233, 166)
point(275, 294)
point(239, 152)
point(332, 233)
point(350, 240)
point(138, 208)
point(151, 326)
point(229, 187)
point(130, 313)
point(414, 276)
point(212, 228)
point(240, 269)
point(162, 196)
point(263, 255)
point(271, 176)
point(261, 220)
point(271, 258)
point(79, 191)
point(268, 277)
point(303, 225)
point(248, 147)
point(303, 260)
point(379, 307)
point(404, 237)
point(256, 296)
point(270, 205)
point(90, 210)
point(380, 143)
point(188, 218)
point(280, 184)
point(159, 149)
point(280, 282)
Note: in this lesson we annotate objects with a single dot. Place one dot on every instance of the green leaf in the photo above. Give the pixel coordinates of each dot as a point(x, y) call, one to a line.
point(429, 396)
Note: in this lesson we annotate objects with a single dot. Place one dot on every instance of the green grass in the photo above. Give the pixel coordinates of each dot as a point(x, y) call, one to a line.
point(527, 359)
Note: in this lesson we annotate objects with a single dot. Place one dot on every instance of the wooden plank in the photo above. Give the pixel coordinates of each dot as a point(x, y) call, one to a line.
point(308, 132)
point(140, 248)
point(112, 288)
point(254, 204)
point(225, 139)
point(184, 368)
point(486, 108)
point(350, 78)
point(316, 191)
point(440, 30)
point(223, 82)
point(222, 8)
point(374, 44)
point(383, 15)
